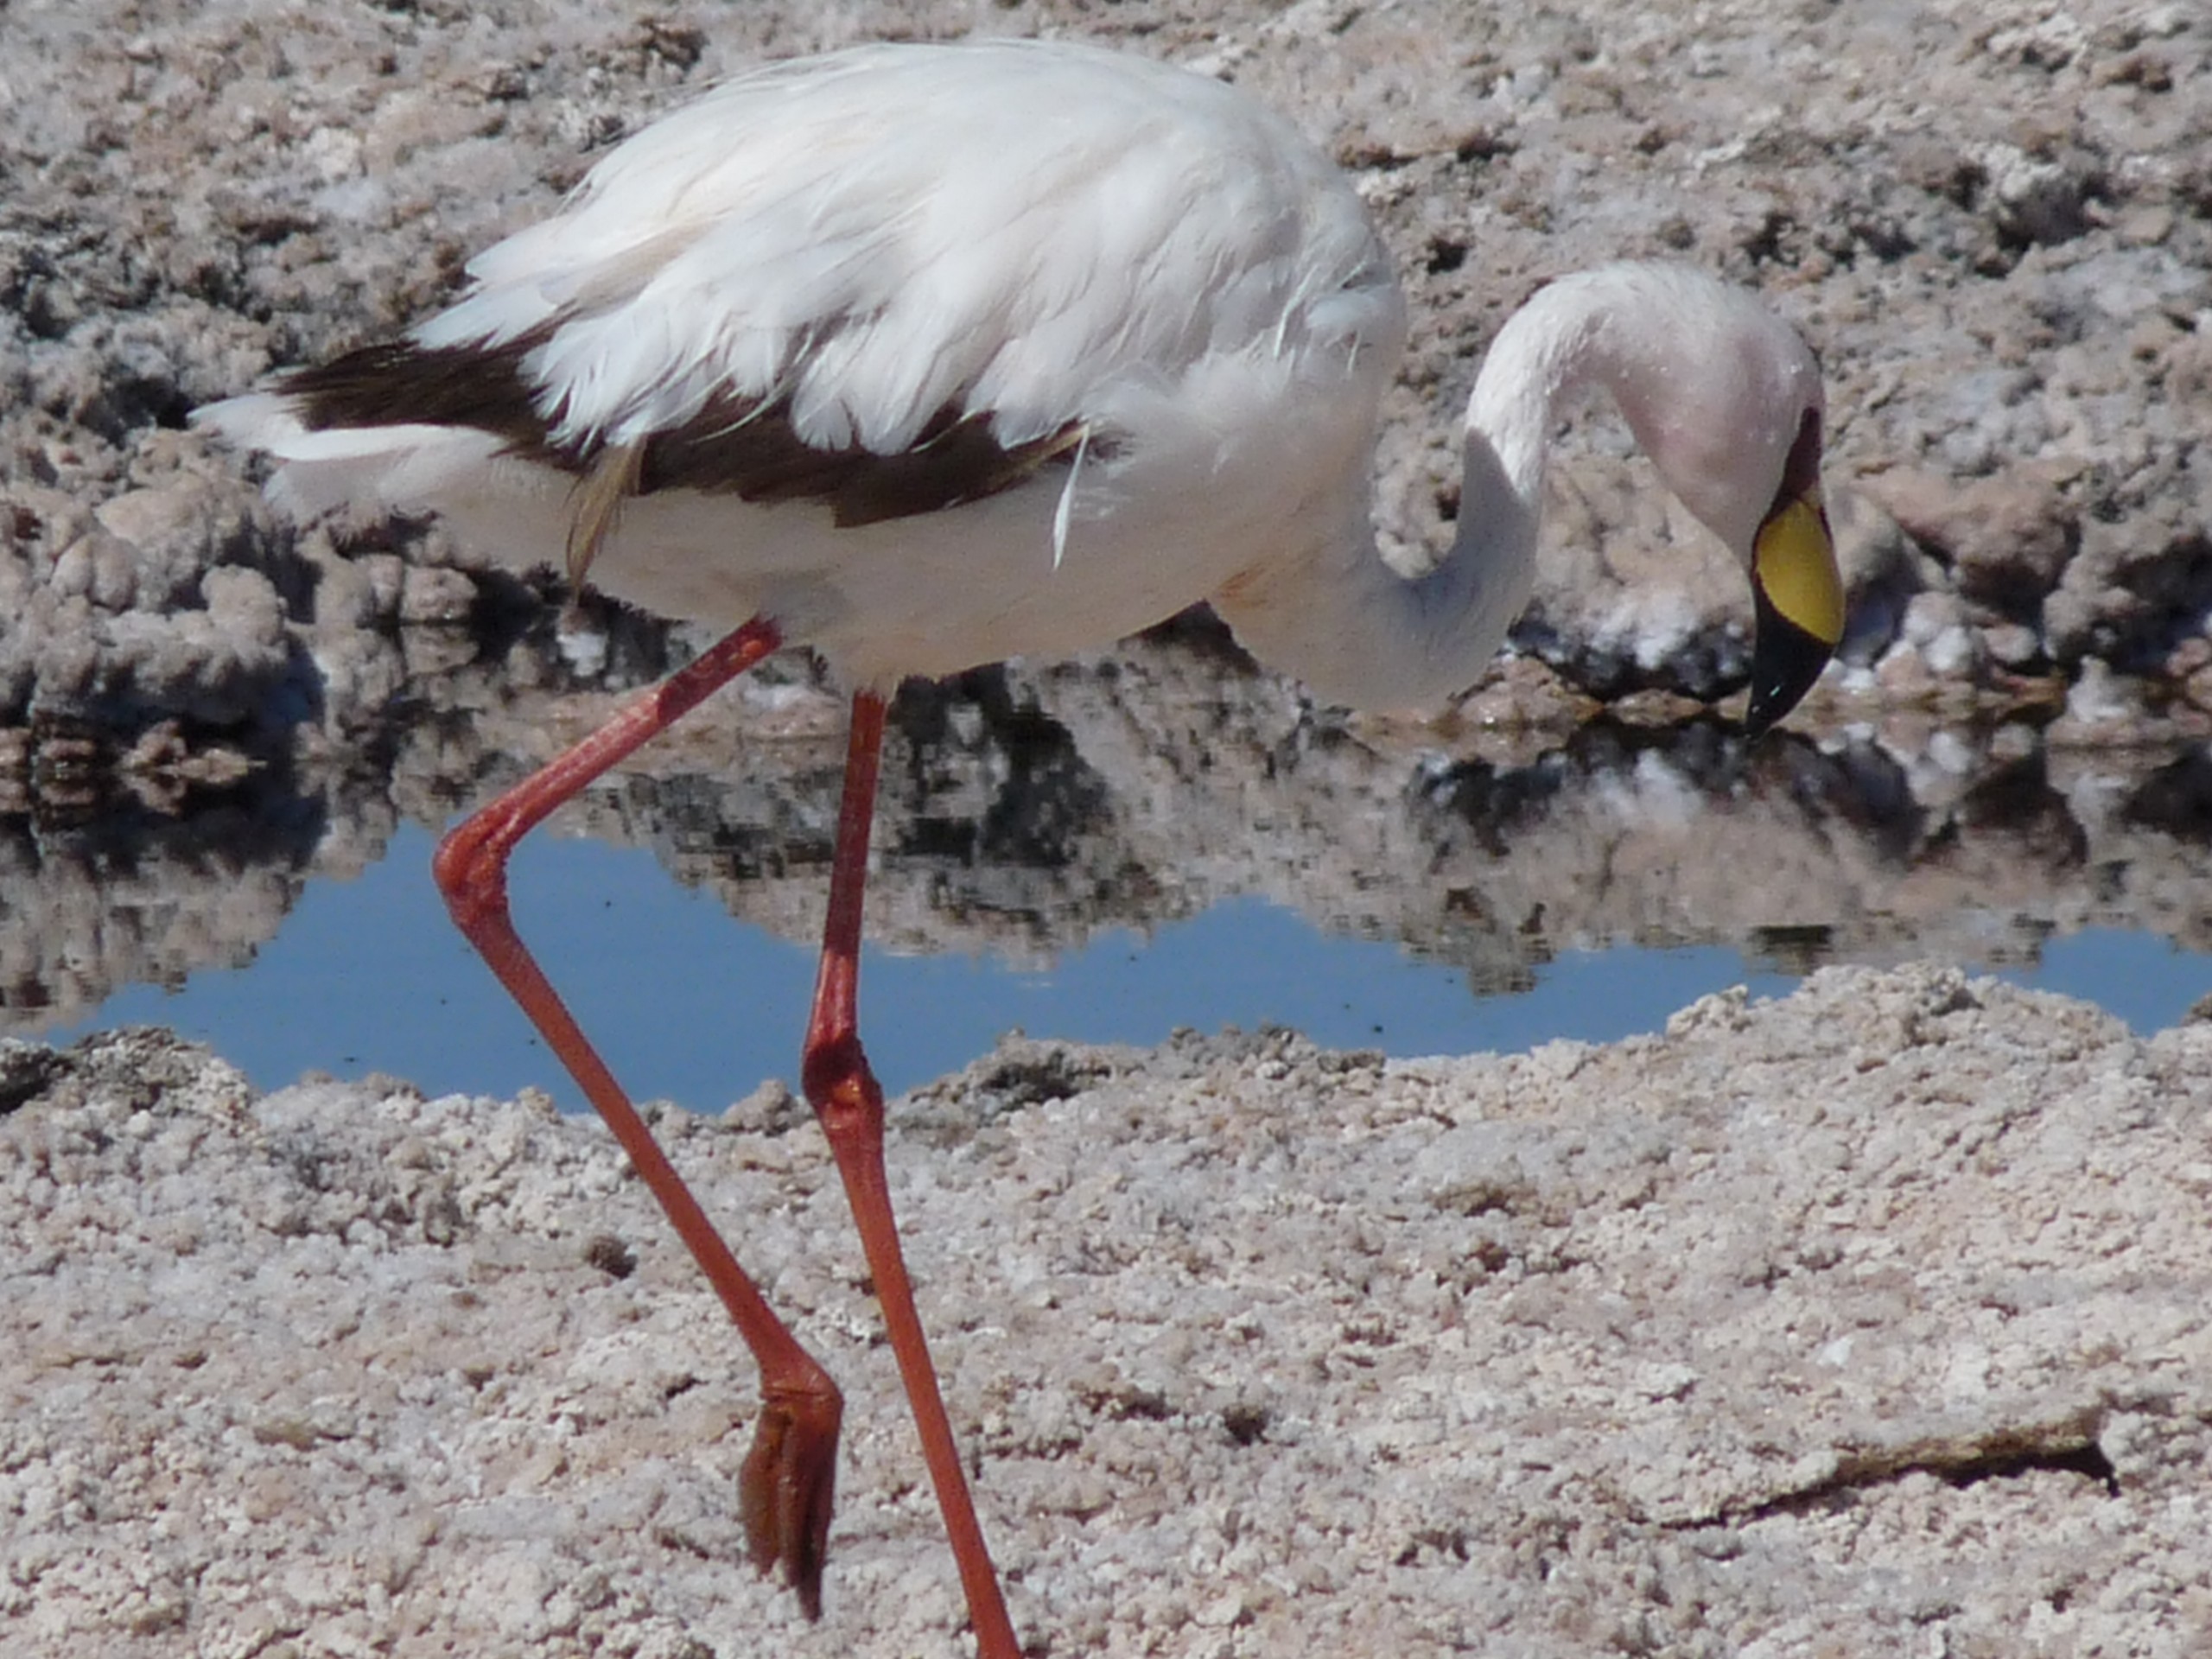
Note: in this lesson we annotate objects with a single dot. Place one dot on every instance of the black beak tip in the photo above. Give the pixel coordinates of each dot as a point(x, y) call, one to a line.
point(1770, 702)
point(1786, 659)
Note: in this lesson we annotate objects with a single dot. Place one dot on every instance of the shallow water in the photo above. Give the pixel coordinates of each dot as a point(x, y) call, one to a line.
point(694, 1006)
point(1106, 850)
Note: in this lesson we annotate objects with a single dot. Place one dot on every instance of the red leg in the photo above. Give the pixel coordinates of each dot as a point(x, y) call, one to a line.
point(849, 1102)
point(786, 1485)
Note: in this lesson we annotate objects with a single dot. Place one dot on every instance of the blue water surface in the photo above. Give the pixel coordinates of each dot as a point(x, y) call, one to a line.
point(692, 1006)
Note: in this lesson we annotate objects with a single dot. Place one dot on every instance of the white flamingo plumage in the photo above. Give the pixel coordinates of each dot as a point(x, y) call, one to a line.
point(926, 356)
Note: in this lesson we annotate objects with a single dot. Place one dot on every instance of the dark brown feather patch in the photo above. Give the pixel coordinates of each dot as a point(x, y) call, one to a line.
point(734, 445)
point(1800, 472)
point(395, 384)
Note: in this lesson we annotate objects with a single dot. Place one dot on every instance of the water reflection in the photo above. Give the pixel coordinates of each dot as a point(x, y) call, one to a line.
point(1026, 812)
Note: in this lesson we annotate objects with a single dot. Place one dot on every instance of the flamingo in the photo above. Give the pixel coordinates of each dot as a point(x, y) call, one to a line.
point(924, 355)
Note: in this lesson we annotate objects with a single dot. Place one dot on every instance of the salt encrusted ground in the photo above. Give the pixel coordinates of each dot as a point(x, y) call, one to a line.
point(1875, 1320)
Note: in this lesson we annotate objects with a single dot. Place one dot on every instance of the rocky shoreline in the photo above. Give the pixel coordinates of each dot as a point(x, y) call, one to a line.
point(1996, 226)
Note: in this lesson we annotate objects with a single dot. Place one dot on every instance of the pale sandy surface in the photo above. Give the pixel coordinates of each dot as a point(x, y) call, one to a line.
point(1871, 1321)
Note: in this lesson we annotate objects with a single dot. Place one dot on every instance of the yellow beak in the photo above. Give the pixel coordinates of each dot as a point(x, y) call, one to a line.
point(1797, 597)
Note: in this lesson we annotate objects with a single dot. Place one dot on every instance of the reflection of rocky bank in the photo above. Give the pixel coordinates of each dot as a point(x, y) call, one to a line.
point(1993, 224)
point(137, 899)
point(1024, 809)
point(1153, 783)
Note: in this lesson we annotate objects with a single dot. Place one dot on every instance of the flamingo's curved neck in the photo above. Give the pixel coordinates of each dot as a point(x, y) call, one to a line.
point(1705, 379)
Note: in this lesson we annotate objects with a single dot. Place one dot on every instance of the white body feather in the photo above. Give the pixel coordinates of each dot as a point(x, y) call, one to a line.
point(1045, 234)
point(1041, 233)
